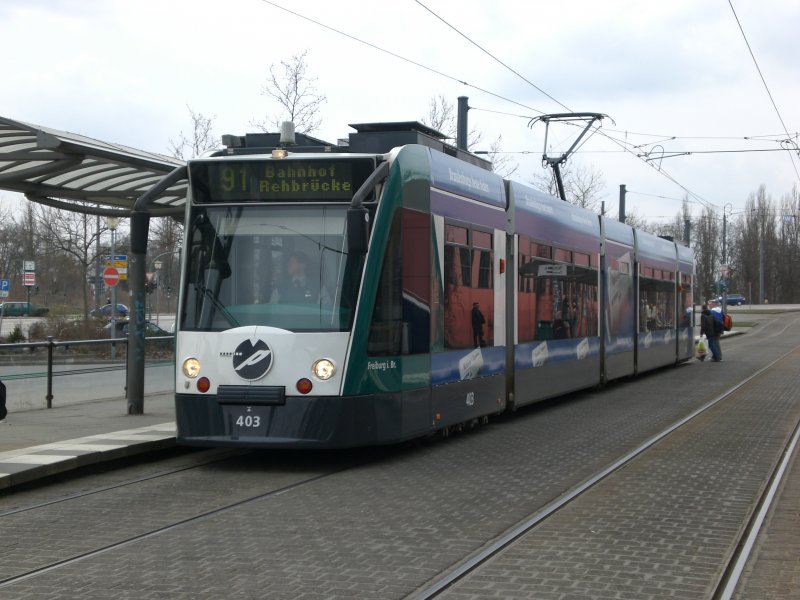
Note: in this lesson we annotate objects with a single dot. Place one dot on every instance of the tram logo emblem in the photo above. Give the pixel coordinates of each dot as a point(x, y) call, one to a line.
point(252, 361)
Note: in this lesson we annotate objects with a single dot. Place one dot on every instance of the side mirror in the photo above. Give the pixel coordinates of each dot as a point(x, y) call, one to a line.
point(357, 230)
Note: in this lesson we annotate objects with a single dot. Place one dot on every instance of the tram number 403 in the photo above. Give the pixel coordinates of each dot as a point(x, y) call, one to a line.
point(240, 418)
point(248, 421)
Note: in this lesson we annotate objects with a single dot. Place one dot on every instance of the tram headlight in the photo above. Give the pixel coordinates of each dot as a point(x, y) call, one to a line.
point(191, 367)
point(323, 369)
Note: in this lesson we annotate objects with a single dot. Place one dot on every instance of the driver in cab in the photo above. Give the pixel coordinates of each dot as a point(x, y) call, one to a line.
point(297, 287)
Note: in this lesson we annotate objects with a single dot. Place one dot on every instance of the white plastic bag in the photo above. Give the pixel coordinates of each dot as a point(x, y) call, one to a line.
point(701, 348)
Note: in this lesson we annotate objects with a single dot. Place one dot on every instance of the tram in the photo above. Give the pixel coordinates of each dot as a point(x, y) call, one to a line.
point(393, 286)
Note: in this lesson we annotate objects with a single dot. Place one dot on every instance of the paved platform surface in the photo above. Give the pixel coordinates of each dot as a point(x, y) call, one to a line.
point(385, 538)
point(39, 443)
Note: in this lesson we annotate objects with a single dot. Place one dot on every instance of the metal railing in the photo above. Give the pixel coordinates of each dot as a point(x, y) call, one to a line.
point(51, 345)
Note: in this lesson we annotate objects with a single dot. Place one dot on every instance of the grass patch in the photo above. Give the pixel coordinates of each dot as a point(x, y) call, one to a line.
point(737, 324)
point(759, 311)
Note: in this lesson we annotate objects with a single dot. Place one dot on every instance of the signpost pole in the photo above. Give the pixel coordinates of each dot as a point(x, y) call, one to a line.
point(5, 288)
point(28, 280)
point(113, 223)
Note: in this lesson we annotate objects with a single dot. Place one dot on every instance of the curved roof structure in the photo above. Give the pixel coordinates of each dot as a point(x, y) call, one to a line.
point(66, 170)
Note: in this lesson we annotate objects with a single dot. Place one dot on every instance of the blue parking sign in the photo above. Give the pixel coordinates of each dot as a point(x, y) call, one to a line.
point(5, 287)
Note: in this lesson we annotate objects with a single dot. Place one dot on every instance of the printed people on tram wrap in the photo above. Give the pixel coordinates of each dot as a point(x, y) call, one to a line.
point(477, 326)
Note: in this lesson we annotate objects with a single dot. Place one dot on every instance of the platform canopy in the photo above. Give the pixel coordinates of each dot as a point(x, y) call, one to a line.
point(81, 174)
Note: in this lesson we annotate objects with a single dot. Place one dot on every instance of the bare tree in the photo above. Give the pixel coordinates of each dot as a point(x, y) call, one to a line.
point(443, 118)
point(201, 140)
point(788, 263)
point(11, 255)
point(707, 238)
point(297, 95)
point(165, 243)
point(582, 185)
point(636, 220)
point(757, 252)
point(502, 164)
point(674, 229)
point(166, 233)
point(73, 235)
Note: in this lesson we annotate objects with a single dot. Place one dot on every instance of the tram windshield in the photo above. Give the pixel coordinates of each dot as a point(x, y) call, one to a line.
point(279, 266)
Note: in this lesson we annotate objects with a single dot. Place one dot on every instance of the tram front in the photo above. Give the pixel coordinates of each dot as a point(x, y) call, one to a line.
point(270, 282)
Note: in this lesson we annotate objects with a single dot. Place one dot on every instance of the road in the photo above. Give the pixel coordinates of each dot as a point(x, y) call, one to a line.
point(164, 321)
point(26, 385)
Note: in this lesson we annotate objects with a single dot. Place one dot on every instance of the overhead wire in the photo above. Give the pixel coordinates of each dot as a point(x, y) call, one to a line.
point(397, 56)
point(596, 129)
point(669, 138)
point(664, 137)
point(766, 87)
point(485, 51)
point(626, 146)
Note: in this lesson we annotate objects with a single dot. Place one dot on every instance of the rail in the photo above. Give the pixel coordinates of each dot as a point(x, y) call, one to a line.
point(52, 344)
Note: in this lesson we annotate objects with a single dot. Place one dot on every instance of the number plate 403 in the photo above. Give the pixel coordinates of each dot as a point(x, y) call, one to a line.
point(248, 421)
point(243, 420)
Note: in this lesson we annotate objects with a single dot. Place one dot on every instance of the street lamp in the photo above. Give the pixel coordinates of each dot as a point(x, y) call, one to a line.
point(728, 209)
point(157, 264)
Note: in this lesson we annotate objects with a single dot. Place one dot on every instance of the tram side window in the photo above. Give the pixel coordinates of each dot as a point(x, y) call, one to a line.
point(526, 288)
point(687, 302)
point(620, 296)
point(656, 299)
point(557, 299)
point(468, 287)
point(401, 316)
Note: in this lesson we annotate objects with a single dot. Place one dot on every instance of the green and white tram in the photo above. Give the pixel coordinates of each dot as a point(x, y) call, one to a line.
point(387, 289)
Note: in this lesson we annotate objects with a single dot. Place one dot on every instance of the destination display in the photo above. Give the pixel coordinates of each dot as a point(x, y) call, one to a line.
point(327, 180)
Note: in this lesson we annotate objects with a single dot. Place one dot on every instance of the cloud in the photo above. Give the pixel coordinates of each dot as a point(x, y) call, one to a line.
point(124, 72)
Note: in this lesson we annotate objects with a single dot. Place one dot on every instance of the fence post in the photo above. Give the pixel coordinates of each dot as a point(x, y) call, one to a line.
point(49, 396)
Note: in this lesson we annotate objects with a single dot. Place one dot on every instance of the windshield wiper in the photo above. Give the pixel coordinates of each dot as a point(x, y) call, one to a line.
point(205, 315)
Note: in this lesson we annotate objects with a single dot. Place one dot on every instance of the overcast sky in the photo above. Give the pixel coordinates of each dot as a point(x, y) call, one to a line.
point(124, 72)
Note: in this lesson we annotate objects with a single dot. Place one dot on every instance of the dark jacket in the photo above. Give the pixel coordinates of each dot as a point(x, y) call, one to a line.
point(3, 411)
point(710, 326)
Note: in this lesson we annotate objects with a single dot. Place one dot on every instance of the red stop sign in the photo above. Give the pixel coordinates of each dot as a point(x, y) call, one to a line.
point(110, 276)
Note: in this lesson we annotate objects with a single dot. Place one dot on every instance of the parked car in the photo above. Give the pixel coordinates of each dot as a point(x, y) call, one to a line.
point(19, 309)
point(734, 300)
point(150, 328)
point(104, 312)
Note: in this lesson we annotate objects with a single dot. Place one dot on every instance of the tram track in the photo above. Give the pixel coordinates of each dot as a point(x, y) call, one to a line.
point(744, 549)
point(219, 456)
point(724, 589)
point(156, 531)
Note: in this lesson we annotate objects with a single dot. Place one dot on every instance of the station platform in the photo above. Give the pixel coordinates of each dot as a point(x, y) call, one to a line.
point(39, 443)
